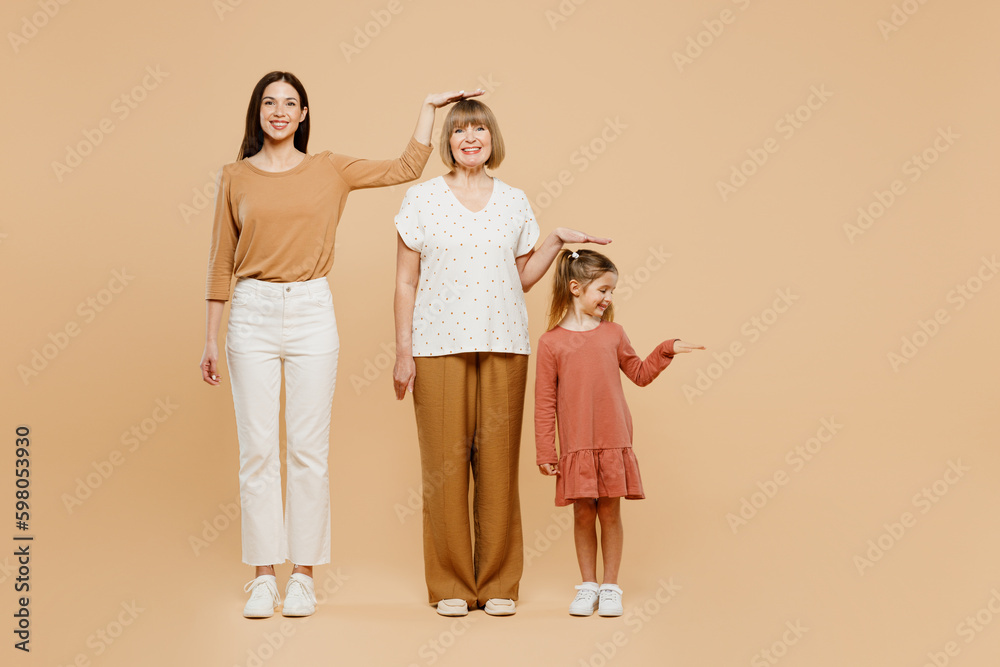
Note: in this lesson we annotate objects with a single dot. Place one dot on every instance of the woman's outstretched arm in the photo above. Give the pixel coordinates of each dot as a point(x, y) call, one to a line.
point(533, 265)
point(366, 173)
point(434, 101)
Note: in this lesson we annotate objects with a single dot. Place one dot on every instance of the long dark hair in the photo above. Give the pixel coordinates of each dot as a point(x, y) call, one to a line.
point(585, 268)
point(253, 134)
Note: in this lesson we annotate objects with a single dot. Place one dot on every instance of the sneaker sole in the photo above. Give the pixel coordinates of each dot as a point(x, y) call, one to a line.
point(454, 613)
point(295, 613)
point(499, 613)
point(258, 614)
point(610, 613)
point(581, 613)
point(452, 609)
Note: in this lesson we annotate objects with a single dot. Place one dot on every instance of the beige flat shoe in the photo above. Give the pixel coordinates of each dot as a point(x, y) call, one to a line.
point(499, 607)
point(452, 607)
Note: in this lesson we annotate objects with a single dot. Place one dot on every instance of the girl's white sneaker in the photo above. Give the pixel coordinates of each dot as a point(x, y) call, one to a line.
point(585, 601)
point(611, 601)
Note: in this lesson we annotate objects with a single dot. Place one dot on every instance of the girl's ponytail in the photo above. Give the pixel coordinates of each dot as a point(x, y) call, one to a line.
point(583, 266)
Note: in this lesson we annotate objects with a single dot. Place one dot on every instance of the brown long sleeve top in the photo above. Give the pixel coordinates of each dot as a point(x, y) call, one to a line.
point(281, 226)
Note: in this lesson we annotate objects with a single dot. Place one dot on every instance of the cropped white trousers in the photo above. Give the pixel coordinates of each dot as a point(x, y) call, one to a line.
point(294, 323)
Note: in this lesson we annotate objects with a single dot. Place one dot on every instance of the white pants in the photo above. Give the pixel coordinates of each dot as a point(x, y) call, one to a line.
point(295, 323)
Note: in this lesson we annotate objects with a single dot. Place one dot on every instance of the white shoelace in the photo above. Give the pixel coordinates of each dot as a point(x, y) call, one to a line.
point(585, 594)
point(262, 589)
point(296, 588)
point(610, 595)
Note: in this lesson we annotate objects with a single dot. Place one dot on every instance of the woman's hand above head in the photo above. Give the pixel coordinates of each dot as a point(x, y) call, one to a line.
point(403, 375)
point(567, 235)
point(210, 364)
point(681, 346)
point(434, 101)
point(533, 265)
point(438, 100)
point(549, 469)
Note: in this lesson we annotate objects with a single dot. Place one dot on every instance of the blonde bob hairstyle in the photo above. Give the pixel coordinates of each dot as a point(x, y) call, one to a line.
point(468, 112)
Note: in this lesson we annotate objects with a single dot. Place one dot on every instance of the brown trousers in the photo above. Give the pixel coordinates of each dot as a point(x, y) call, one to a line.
point(469, 408)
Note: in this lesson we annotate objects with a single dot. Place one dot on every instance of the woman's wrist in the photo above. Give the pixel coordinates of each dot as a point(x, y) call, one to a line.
point(555, 237)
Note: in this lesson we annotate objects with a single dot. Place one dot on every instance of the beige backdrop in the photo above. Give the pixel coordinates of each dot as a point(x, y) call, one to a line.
point(805, 188)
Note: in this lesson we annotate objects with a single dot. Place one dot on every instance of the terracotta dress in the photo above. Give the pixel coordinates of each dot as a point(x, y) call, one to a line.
point(578, 384)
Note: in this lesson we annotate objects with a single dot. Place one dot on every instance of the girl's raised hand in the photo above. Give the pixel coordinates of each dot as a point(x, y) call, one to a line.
point(567, 235)
point(438, 100)
point(549, 469)
point(681, 346)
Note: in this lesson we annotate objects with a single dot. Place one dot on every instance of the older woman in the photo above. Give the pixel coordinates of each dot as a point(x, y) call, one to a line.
point(465, 258)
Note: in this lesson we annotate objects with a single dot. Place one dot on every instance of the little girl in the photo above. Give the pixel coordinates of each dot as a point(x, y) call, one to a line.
point(577, 379)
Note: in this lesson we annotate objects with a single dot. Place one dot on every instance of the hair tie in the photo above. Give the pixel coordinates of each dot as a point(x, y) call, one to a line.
point(575, 255)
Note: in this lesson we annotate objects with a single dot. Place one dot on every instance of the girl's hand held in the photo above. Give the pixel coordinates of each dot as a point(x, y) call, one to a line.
point(681, 346)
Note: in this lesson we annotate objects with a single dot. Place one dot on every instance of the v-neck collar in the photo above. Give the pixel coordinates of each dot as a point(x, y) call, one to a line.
point(488, 201)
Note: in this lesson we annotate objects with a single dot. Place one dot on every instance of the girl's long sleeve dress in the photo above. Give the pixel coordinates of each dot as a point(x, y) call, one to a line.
point(578, 385)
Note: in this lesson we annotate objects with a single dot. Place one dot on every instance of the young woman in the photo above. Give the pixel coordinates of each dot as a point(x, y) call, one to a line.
point(276, 217)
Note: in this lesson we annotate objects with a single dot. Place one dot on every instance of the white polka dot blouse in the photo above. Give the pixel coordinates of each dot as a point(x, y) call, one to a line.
point(469, 296)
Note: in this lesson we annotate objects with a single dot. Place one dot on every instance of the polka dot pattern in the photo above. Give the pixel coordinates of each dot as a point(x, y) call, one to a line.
point(469, 296)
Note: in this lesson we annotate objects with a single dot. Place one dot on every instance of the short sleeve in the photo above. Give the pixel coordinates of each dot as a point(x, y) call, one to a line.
point(529, 229)
point(408, 221)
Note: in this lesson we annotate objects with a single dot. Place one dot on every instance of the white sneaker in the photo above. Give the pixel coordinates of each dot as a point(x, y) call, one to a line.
point(611, 601)
point(300, 598)
point(585, 601)
point(499, 607)
point(452, 607)
point(264, 597)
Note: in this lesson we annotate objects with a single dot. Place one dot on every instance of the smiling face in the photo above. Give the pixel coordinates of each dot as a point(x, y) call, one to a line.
point(595, 298)
point(471, 146)
point(280, 111)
